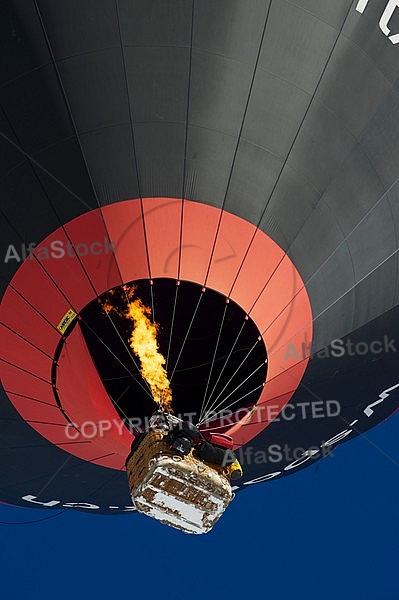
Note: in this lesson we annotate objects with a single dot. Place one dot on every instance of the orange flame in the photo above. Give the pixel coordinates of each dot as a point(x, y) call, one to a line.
point(144, 344)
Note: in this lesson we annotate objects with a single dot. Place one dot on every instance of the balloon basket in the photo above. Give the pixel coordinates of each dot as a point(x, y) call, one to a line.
point(180, 491)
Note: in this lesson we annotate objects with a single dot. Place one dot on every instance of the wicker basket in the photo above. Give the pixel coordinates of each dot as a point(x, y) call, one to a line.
point(183, 492)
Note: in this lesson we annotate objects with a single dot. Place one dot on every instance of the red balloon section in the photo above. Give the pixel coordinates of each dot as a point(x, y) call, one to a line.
point(128, 241)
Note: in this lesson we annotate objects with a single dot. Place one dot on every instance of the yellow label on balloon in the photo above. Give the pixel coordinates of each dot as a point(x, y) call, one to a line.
point(66, 320)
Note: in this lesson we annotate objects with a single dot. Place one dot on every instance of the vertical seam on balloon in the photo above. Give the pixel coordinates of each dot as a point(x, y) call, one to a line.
point(386, 195)
point(183, 182)
point(72, 120)
point(32, 399)
point(335, 301)
point(68, 302)
point(130, 107)
point(26, 340)
point(292, 147)
point(43, 168)
point(238, 141)
point(25, 371)
point(64, 94)
point(48, 275)
point(40, 183)
point(183, 195)
point(10, 285)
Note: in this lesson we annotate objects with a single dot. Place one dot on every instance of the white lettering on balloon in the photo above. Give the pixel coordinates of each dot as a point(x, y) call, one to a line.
point(368, 411)
point(386, 17)
point(307, 455)
point(82, 505)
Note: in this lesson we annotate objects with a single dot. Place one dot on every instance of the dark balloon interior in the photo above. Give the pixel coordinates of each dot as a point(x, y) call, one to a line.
point(230, 344)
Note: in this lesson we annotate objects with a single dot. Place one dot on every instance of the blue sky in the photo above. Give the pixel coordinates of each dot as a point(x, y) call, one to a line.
point(330, 531)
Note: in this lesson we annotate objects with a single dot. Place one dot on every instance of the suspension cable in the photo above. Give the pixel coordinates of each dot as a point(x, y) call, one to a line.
point(226, 361)
point(203, 405)
point(235, 372)
point(220, 404)
point(213, 415)
point(116, 357)
point(172, 323)
point(152, 300)
point(187, 333)
point(128, 350)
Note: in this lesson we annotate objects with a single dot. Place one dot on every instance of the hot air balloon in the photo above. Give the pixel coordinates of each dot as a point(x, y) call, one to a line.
point(237, 162)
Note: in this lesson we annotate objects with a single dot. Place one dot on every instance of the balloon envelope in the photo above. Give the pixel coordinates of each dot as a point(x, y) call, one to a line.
point(239, 161)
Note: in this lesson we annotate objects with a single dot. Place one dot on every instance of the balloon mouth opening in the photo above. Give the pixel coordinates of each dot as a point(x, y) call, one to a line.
point(214, 355)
